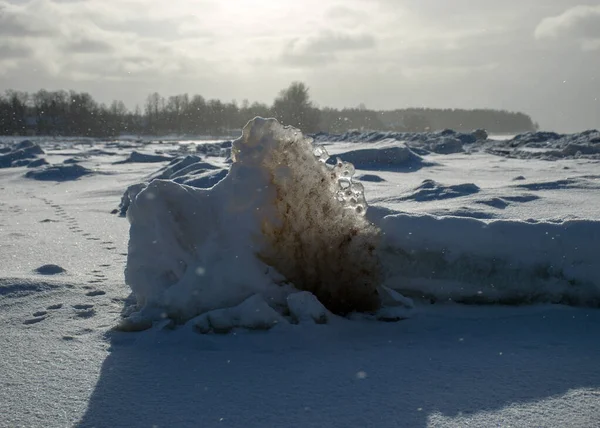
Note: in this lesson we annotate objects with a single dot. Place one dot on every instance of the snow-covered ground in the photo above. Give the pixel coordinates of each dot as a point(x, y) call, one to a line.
point(463, 221)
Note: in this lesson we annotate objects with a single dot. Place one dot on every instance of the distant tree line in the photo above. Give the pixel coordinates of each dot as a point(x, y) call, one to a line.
point(70, 113)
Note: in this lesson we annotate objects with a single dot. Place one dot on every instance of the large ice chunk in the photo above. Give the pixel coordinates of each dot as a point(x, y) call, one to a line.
point(280, 209)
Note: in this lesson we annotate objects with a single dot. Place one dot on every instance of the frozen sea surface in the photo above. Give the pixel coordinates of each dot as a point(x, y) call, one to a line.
point(449, 365)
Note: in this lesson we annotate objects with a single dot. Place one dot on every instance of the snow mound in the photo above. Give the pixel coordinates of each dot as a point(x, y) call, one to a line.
point(499, 261)
point(551, 146)
point(280, 215)
point(137, 157)
point(177, 165)
point(373, 178)
point(59, 172)
point(444, 145)
point(37, 162)
point(204, 180)
point(20, 162)
point(386, 154)
point(582, 182)
point(189, 170)
point(128, 197)
point(430, 190)
point(72, 161)
point(253, 313)
point(20, 154)
point(98, 152)
point(305, 307)
point(50, 270)
point(222, 149)
point(412, 138)
point(498, 203)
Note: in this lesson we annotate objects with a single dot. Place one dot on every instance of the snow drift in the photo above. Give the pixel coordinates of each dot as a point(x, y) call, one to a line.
point(503, 261)
point(280, 217)
point(59, 172)
point(530, 145)
point(190, 170)
point(385, 154)
point(412, 137)
point(137, 157)
point(551, 146)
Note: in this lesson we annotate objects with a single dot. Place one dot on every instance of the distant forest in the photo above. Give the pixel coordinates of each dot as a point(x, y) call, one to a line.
point(71, 113)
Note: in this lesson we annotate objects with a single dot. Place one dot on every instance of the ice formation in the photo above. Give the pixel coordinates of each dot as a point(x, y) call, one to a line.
point(20, 154)
point(530, 145)
point(318, 238)
point(280, 215)
point(385, 154)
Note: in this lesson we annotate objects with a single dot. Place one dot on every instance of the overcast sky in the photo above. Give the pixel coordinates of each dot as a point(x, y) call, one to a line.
point(537, 56)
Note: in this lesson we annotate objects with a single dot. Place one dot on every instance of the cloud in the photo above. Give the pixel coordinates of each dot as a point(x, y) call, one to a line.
point(579, 24)
point(10, 49)
point(16, 22)
point(88, 46)
point(93, 40)
point(382, 52)
point(324, 47)
point(346, 15)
